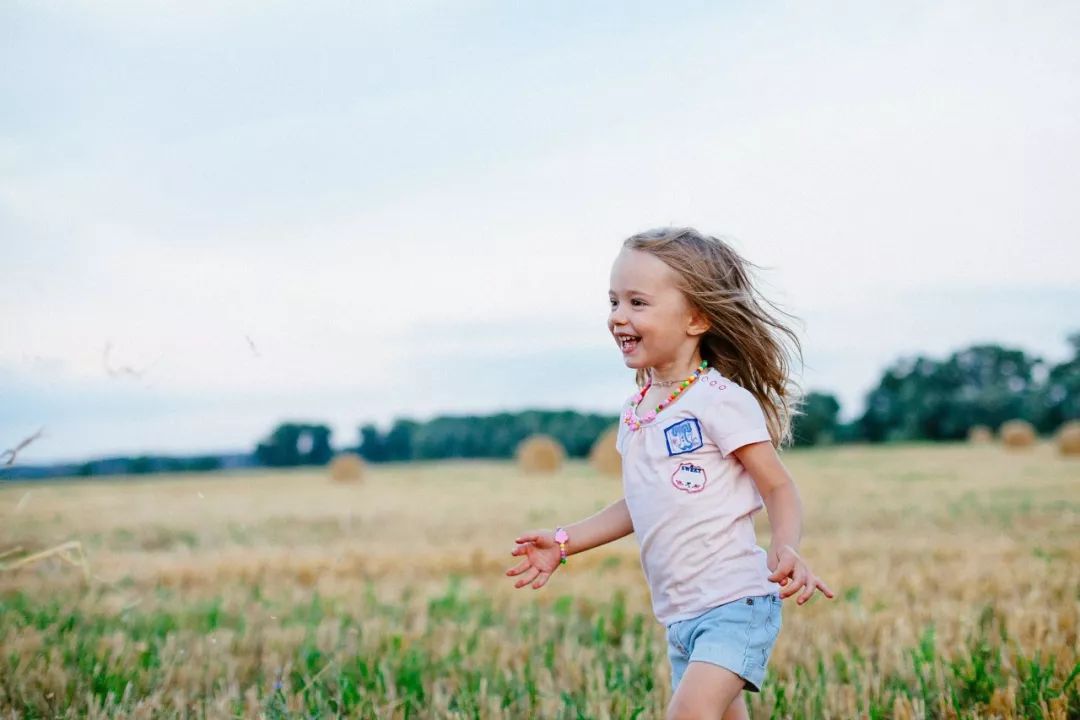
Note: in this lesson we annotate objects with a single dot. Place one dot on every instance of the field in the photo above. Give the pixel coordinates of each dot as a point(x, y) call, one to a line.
point(283, 594)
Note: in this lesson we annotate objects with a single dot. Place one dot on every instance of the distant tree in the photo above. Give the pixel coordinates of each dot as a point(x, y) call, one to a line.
point(922, 398)
point(848, 432)
point(818, 420)
point(320, 452)
point(889, 406)
point(1059, 396)
point(205, 463)
point(281, 449)
point(140, 465)
point(372, 447)
point(292, 444)
point(398, 443)
point(471, 436)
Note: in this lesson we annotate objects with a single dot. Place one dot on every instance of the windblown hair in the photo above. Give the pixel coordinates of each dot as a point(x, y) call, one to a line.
point(745, 341)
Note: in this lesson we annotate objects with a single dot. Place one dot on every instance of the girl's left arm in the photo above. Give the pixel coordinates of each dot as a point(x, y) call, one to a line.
point(784, 506)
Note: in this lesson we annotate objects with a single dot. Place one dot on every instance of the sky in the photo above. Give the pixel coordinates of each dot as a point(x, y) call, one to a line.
point(347, 213)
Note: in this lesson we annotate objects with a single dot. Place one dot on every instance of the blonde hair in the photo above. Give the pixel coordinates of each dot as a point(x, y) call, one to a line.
point(744, 342)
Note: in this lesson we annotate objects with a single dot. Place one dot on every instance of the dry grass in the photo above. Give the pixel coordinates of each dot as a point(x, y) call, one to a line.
point(957, 567)
point(70, 552)
point(980, 435)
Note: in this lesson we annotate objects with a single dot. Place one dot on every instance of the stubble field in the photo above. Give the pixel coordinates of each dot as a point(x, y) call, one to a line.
point(283, 594)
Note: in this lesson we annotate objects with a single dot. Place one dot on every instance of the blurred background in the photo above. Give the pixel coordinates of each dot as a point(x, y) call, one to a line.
point(218, 218)
point(261, 257)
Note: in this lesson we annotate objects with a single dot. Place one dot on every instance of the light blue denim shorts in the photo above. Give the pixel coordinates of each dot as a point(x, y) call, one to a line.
point(738, 635)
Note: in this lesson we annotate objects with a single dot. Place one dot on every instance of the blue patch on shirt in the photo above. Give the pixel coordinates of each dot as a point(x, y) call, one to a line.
point(683, 437)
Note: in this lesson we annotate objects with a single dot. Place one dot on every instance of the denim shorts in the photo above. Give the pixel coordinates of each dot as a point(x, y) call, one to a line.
point(738, 635)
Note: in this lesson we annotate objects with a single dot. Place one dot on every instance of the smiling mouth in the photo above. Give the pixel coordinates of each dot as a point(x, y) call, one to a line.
point(628, 343)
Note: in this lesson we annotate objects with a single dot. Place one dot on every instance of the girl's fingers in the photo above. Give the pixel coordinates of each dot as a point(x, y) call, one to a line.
point(807, 592)
point(520, 549)
point(786, 586)
point(541, 581)
point(528, 579)
point(519, 568)
point(797, 581)
point(783, 569)
point(825, 589)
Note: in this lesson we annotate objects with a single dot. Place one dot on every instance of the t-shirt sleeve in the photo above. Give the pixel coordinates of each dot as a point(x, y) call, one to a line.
point(734, 419)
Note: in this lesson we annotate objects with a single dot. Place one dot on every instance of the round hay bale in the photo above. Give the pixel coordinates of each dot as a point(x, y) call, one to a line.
point(347, 467)
point(980, 435)
point(603, 456)
point(540, 454)
point(1017, 434)
point(1068, 438)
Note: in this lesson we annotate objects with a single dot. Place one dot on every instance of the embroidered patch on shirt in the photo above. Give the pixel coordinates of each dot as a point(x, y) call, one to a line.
point(683, 437)
point(689, 477)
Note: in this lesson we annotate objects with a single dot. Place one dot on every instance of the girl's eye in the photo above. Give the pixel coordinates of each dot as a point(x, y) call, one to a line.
point(637, 302)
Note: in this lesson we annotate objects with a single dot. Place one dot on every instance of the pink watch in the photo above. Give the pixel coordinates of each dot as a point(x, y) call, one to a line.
point(562, 538)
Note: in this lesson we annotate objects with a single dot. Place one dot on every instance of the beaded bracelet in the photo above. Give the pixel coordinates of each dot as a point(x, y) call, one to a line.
point(562, 538)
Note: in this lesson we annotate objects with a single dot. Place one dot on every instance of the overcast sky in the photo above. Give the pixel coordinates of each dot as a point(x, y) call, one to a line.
point(318, 212)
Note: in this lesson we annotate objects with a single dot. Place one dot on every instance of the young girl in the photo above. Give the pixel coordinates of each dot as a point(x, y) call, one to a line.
point(698, 443)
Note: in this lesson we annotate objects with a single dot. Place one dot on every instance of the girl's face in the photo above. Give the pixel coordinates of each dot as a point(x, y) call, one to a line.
point(651, 320)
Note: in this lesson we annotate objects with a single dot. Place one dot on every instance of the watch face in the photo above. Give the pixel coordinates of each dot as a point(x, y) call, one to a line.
point(561, 536)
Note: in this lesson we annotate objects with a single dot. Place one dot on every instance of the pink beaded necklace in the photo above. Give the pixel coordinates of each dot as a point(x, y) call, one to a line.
point(630, 416)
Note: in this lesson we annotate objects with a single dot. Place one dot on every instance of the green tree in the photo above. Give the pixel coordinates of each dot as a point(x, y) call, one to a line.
point(320, 451)
point(141, 465)
point(281, 449)
point(923, 398)
point(472, 436)
point(372, 447)
point(1059, 397)
point(817, 422)
point(398, 443)
point(292, 444)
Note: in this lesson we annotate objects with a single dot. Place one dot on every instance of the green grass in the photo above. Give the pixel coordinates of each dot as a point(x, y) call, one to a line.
point(383, 649)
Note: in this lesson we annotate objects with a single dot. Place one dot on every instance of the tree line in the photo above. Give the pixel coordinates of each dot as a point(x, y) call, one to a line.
point(922, 398)
point(917, 398)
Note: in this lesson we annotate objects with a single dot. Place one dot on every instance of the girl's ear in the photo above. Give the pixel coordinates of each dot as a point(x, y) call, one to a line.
point(699, 325)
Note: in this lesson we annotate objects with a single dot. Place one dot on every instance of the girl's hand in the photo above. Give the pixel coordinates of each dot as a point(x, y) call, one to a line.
point(541, 558)
point(792, 572)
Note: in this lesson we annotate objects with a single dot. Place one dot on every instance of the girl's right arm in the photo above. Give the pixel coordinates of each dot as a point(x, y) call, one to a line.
point(542, 552)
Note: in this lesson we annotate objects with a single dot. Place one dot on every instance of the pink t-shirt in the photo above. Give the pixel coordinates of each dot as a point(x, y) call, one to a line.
point(692, 501)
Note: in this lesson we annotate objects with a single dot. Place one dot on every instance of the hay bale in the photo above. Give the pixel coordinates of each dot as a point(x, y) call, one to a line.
point(980, 435)
point(540, 454)
point(603, 456)
point(347, 467)
point(1068, 438)
point(1017, 434)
